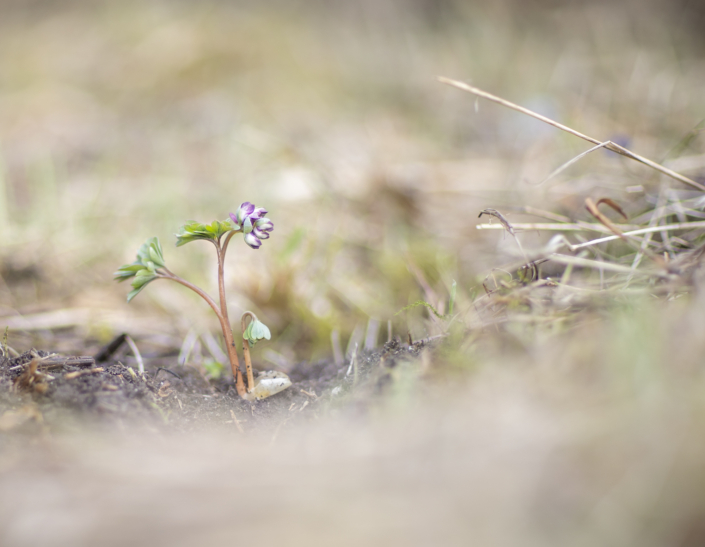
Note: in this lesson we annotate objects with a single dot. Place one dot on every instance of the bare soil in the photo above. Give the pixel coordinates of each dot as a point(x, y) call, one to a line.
point(40, 390)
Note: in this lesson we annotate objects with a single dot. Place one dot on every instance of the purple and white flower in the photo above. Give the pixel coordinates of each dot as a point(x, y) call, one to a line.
point(262, 228)
point(254, 225)
point(252, 240)
point(247, 210)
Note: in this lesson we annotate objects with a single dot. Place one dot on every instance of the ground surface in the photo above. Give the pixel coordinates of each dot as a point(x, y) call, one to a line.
point(43, 391)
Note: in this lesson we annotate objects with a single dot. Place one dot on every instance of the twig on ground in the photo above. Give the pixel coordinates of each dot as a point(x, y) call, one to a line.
point(56, 361)
point(430, 338)
point(72, 375)
point(159, 369)
point(108, 351)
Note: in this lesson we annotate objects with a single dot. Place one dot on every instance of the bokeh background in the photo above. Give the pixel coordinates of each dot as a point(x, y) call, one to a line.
point(120, 121)
point(575, 420)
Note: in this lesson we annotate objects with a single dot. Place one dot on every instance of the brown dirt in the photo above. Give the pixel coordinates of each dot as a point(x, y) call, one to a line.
point(40, 391)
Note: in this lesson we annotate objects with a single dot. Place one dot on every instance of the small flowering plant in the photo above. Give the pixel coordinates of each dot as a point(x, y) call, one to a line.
point(150, 265)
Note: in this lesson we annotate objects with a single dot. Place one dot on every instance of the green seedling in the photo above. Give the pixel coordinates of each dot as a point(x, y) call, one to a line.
point(150, 265)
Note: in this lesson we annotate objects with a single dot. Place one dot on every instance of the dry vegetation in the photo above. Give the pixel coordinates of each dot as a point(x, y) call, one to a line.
point(564, 406)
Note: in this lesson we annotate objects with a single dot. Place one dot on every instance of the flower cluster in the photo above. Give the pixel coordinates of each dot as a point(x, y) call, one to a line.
point(253, 223)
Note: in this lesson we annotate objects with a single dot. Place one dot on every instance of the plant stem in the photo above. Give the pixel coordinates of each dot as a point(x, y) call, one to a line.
point(198, 290)
point(220, 250)
point(224, 325)
point(246, 350)
point(227, 240)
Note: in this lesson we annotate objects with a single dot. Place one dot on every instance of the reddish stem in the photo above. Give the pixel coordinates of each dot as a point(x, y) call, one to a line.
point(246, 350)
point(224, 324)
point(221, 249)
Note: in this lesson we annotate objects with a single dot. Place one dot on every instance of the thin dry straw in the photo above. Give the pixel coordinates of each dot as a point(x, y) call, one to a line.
point(136, 352)
point(571, 162)
point(556, 226)
point(607, 266)
point(655, 218)
point(598, 227)
point(560, 227)
point(507, 226)
point(609, 146)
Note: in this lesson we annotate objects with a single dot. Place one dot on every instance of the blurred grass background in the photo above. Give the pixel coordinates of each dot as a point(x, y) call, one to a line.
point(581, 421)
point(120, 121)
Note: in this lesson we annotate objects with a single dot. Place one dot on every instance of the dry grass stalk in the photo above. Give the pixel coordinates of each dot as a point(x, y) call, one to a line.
point(609, 145)
point(79, 373)
point(582, 227)
point(598, 265)
point(137, 354)
point(555, 227)
point(572, 161)
point(506, 225)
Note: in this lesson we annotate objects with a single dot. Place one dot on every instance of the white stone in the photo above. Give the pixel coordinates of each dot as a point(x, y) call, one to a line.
point(269, 383)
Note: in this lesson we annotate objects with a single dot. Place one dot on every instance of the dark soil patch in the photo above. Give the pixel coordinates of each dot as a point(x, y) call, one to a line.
point(40, 391)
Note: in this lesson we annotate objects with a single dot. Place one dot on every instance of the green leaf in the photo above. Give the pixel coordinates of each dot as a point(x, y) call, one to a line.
point(149, 257)
point(422, 303)
point(143, 252)
point(255, 332)
point(127, 271)
point(142, 277)
point(156, 254)
point(260, 331)
point(192, 231)
point(151, 251)
point(133, 293)
point(451, 303)
point(214, 369)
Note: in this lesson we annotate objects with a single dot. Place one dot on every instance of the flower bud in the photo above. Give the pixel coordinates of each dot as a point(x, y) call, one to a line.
point(264, 224)
point(233, 217)
point(251, 220)
point(262, 228)
point(244, 211)
point(252, 240)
